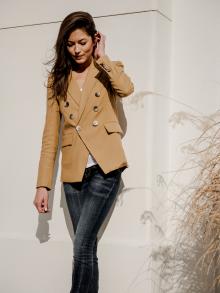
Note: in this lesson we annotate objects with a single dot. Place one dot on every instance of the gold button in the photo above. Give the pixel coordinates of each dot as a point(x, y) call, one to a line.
point(95, 108)
point(78, 128)
point(71, 116)
point(95, 123)
point(97, 94)
point(66, 104)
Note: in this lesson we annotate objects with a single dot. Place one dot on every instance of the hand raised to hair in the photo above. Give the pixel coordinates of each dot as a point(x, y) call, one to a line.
point(100, 45)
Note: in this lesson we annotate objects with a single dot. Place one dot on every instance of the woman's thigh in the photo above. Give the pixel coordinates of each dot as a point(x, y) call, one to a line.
point(98, 197)
point(89, 201)
point(74, 199)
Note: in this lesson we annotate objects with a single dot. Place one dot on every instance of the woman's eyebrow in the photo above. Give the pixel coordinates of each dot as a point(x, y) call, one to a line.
point(79, 40)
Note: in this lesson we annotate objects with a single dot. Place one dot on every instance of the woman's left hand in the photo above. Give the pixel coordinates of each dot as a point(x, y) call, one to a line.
point(100, 45)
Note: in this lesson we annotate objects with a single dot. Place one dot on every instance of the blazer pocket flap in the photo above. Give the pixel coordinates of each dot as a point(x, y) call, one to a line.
point(113, 126)
point(67, 139)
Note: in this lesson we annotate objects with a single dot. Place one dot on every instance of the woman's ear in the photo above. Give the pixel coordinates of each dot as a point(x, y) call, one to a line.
point(97, 37)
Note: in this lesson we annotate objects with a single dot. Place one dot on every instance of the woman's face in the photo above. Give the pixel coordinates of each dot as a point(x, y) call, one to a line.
point(80, 45)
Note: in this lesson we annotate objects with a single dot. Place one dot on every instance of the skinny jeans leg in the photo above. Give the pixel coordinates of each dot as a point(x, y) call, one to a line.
point(88, 203)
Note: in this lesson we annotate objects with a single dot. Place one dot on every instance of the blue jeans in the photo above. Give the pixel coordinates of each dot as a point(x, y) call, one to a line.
point(88, 203)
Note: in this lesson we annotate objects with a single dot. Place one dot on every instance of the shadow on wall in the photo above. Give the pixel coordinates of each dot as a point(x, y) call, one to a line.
point(190, 261)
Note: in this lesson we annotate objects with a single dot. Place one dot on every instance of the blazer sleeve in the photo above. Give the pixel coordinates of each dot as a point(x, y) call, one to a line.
point(50, 141)
point(120, 81)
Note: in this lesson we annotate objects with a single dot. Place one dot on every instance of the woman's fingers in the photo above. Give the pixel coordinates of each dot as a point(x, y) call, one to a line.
point(45, 204)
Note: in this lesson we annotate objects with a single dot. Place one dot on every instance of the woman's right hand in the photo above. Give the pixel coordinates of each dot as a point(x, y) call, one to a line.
point(100, 45)
point(41, 200)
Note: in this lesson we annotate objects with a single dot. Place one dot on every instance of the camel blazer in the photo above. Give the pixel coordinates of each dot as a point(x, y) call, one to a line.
point(90, 124)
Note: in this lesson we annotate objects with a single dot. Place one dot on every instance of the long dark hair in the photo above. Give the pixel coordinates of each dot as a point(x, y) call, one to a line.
point(62, 61)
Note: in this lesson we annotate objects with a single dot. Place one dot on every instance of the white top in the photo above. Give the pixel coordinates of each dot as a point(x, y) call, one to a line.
point(91, 160)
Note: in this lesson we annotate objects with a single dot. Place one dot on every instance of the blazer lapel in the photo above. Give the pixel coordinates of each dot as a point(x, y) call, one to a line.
point(81, 98)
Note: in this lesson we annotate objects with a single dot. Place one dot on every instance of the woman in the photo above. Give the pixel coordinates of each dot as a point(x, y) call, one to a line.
point(83, 87)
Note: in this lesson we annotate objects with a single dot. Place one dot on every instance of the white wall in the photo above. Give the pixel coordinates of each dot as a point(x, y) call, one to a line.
point(182, 68)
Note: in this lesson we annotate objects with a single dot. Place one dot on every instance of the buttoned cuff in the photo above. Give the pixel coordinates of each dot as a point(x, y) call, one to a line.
point(48, 189)
point(107, 64)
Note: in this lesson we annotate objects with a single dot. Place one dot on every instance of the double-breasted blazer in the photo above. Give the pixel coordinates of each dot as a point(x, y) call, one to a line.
point(90, 123)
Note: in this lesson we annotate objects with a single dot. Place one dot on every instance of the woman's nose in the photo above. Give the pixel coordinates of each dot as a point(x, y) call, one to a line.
point(77, 49)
